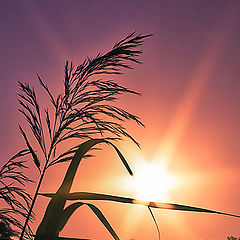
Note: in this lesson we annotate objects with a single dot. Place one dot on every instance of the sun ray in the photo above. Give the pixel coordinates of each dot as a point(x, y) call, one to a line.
point(194, 90)
point(46, 31)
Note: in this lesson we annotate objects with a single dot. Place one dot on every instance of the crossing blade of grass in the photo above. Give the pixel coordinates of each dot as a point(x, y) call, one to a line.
point(155, 222)
point(48, 228)
point(85, 108)
point(160, 205)
point(73, 207)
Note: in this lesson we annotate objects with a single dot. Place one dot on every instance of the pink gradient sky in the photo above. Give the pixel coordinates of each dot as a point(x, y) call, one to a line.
point(190, 101)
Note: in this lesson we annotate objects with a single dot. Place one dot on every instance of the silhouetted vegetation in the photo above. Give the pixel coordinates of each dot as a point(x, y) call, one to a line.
point(5, 231)
point(14, 199)
point(233, 238)
point(85, 111)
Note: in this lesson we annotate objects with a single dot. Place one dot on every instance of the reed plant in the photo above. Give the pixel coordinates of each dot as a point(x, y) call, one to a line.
point(15, 200)
point(86, 111)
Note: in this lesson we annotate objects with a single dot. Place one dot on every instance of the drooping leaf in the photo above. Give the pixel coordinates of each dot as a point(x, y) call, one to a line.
point(103, 220)
point(73, 207)
point(124, 161)
point(49, 225)
point(75, 105)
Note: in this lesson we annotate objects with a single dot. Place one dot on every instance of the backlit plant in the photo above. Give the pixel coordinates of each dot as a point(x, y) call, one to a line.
point(85, 111)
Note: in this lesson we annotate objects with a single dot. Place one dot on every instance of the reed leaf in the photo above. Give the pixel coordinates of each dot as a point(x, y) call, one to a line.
point(48, 228)
point(122, 158)
point(66, 159)
point(160, 205)
point(82, 110)
point(73, 207)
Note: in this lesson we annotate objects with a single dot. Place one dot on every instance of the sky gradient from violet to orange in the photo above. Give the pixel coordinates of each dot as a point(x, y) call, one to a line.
point(190, 103)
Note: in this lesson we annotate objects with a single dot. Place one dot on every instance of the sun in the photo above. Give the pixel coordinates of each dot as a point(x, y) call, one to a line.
point(152, 181)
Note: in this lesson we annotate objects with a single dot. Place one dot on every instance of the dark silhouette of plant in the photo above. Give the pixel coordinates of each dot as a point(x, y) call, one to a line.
point(84, 110)
point(15, 201)
point(6, 232)
point(233, 238)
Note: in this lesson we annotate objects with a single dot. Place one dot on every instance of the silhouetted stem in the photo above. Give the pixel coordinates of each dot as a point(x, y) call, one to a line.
point(36, 193)
point(32, 205)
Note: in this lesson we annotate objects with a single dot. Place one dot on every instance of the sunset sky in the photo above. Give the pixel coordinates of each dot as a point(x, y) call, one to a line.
point(190, 86)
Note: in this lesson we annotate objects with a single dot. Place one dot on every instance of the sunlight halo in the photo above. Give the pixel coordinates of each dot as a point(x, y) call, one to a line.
point(152, 181)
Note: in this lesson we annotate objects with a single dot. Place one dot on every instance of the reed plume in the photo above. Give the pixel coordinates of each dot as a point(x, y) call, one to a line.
point(14, 199)
point(85, 109)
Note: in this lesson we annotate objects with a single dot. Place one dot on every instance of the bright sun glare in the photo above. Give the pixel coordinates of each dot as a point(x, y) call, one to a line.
point(152, 181)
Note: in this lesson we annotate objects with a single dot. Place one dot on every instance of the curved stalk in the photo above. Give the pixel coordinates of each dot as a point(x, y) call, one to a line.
point(81, 102)
point(32, 205)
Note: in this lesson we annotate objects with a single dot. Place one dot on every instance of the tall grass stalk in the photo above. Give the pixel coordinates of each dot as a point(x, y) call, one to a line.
point(56, 215)
point(85, 109)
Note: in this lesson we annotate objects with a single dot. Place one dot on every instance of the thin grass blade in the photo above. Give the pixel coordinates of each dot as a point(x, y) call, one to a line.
point(103, 220)
point(56, 205)
point(160, 205)
point(124, 161)
point(155, 222)
point(35, 158)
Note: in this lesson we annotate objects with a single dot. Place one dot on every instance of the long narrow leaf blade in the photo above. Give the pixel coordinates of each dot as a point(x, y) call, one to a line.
point(160, 205)
point(124, 161)
point(104, 221)
point(57, 203)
